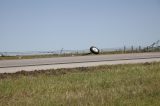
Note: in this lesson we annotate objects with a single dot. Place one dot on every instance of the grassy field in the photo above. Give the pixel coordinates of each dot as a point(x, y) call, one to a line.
point(127, 85)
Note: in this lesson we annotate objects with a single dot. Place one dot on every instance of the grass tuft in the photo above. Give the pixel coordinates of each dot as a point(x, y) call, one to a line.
point(132, 84)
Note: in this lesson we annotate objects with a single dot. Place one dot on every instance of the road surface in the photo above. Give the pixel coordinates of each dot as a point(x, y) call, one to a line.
point(11, 66)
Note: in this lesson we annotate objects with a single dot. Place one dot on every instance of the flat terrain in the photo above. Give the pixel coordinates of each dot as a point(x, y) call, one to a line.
point(11, 66)
point(77, 59)
point(127, 85)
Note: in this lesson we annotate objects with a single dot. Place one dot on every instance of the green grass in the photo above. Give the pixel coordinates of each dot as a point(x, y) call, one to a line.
point(120, 85)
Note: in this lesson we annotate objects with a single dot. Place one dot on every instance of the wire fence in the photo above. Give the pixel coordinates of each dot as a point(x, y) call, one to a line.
point(125, 49)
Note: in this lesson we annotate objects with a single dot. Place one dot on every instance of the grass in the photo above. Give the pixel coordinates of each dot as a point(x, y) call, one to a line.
point(68, 55)
point(41, 56)
point(31, 56)
point(128, 85)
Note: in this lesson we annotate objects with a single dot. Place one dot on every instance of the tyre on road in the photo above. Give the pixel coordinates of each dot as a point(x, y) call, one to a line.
point(94, 50)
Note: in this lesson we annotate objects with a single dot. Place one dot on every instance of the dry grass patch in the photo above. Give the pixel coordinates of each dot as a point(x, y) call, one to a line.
point(136, 84)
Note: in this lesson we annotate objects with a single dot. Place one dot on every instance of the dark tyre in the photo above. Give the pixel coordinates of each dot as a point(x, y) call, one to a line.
point(94, 50)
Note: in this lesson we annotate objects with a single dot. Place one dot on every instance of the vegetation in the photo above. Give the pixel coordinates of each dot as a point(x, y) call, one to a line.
point(129, 85)
point(3, 57)
point(42, 56)
point(34, 56)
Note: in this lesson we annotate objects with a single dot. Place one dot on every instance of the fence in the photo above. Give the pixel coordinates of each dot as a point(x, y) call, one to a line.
point(125, 49)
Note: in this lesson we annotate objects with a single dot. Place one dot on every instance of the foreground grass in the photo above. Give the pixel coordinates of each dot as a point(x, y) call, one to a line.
point(137, 84)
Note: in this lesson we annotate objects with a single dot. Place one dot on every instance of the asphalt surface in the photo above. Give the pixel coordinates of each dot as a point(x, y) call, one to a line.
point(11, 66)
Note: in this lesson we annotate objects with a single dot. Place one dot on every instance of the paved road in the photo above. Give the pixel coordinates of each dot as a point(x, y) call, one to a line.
point(10, 66)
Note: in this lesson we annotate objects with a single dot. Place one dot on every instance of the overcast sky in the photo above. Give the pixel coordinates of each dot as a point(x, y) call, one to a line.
point(40, 25)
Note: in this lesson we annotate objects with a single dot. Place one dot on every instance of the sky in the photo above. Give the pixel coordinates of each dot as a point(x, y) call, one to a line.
point(44, 25)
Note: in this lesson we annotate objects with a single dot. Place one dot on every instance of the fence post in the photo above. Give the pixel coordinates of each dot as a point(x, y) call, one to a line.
point(147, 48)
point(139, 48)
point(132, 48)
point(124, 51)
point(77, 52)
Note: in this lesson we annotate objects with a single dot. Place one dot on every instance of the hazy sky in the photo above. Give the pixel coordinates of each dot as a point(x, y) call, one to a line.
point(39, 25)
